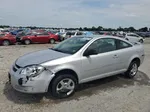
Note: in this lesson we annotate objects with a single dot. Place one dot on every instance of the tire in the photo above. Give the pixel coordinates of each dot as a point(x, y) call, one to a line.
point(61, 38)
point(6, 43)
point(141, 41)
point(59, 91)
point(27, 42)
point(52, 41)
point(132, 70)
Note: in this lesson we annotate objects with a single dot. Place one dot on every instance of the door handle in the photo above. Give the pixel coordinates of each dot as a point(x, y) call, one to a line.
point(115, 56)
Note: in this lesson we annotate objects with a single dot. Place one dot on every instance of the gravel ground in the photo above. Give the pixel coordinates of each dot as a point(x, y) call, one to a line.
point(113, 94)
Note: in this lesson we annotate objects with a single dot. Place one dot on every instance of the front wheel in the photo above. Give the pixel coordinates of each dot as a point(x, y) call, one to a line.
point(141, 41)
point(6, 43)
point(27, 42)
point(52, 41)
point(63, 86)
point(132, 70)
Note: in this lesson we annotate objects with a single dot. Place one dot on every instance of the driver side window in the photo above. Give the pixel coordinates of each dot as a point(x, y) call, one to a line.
point(103, 45)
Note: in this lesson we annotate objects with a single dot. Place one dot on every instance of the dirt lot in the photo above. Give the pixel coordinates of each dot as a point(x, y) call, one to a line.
point(113, 94)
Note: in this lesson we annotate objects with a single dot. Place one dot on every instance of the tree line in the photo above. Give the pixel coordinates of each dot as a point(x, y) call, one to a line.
point(99, 28)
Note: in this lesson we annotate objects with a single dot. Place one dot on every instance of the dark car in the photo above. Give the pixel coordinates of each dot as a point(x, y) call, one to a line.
point(19, 35)
point(15, 32)
point(143, 34)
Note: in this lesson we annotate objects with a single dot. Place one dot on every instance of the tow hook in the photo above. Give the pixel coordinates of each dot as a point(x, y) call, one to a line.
point(23, 80)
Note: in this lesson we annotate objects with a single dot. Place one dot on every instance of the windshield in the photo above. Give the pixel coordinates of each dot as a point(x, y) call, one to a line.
point(71, 45)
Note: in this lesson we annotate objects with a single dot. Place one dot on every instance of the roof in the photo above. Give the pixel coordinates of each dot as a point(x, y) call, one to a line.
point(108, 36)
point(101, 36)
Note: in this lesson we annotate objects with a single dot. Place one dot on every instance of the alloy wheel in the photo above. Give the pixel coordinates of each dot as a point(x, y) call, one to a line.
point(6, 43)
point(27, 42)
point(134, 69)
point(65, 86)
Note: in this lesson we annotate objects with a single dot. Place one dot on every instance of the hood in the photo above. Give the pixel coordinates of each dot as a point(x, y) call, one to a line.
point(39, 57)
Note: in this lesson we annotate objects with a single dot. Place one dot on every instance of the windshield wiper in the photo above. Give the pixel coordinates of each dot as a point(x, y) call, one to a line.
point(56, 50)
point(60, 51)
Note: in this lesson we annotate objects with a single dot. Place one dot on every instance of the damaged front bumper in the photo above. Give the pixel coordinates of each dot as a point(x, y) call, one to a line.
point(38, 84)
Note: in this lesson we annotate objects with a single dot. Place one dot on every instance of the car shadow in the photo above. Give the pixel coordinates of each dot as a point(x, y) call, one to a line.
point(86, 89)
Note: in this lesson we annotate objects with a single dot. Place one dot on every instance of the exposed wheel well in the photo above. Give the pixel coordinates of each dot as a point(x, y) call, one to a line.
point(137, 60)
point(52, 38)
point(27, 39)
point(7, 40)
point(65, 71)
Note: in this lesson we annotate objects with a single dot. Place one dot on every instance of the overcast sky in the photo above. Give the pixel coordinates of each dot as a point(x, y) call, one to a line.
point(75, 13)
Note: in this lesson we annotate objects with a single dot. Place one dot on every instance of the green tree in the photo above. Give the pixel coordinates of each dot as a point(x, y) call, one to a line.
point(99, 28)
point(145, 29)
point(131, 29)
point(85, 29)
point(93, 28)
point(80, 29)
point(120, 28)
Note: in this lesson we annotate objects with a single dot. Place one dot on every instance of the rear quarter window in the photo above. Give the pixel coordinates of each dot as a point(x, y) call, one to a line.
point(123, 44)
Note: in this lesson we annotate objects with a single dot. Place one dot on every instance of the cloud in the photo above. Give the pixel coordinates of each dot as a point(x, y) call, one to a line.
point(75, 13)
point(112, 5)
point(130, 15)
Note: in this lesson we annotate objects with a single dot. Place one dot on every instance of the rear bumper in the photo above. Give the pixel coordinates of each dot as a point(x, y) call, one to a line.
point(142, 58)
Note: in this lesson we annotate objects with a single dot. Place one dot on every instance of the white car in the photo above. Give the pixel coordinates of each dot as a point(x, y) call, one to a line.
point(72, 34)
point(74, 61)
point(132, 37)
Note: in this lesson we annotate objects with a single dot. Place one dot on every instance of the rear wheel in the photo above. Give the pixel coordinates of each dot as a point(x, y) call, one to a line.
point(6, 43)
point(141, 41)
point(132, 70)
point(63, 86)
point(27, 42)
point(52, 41)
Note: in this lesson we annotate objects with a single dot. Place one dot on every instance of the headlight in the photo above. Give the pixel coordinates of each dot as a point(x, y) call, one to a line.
point(32, 70)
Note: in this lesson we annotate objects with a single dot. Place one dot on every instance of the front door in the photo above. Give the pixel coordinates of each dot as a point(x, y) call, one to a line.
point(43, 38)
point(102, 64)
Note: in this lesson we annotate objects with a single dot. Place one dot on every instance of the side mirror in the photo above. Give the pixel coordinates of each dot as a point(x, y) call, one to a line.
point(90, 52)
point(35, 35)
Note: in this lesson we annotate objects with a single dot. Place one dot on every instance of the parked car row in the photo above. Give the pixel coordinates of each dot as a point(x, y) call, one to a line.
point(37, 36)
point(43, 36)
